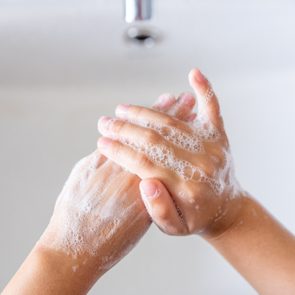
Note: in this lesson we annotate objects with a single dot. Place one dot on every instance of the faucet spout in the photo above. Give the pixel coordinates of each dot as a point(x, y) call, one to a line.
point(138, 10)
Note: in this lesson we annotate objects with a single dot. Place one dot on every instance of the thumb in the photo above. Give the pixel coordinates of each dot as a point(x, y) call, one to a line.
point(161, 207)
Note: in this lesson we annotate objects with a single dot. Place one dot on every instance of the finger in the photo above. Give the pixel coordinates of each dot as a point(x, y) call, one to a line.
point(149, 118)
point(207, 100)
point(164, 102)
point(140, 136)
point(145, 166)
point(180, 108)
point(183, 106)
point(161, 207)
point(135, 161)
point(127, 132)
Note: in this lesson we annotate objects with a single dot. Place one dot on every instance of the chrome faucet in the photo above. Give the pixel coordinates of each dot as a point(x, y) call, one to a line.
point(138, 10)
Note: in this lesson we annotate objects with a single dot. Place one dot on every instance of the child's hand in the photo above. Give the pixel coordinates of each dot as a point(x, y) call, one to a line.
point(189, 184)
point(98, 218)
point(94, 207)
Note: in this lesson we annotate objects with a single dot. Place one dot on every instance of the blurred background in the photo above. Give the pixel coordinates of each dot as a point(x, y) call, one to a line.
point(65, 63)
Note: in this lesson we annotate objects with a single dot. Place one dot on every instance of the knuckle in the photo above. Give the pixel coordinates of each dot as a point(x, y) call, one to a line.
point(143, 161)
point(175, 123)
point(169, 121)
point(151, 136)
point(117, 126)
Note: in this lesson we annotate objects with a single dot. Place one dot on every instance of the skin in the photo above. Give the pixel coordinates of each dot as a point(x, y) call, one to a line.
point(193, 205)
point(260, 248)
point(52, 268)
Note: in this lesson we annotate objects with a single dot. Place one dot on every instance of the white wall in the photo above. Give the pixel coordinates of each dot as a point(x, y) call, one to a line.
point(56, 80)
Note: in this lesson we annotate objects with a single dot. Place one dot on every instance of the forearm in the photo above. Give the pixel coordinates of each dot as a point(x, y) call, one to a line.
point(260, 248)
point(52, 270)
point(100, 211)
point(47, 272)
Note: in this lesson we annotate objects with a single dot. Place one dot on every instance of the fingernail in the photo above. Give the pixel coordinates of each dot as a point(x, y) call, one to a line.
point(196, 75)
point(104, 143)
point(199, 76)
point(148, 189)
point(104, 123)
point(121, 110)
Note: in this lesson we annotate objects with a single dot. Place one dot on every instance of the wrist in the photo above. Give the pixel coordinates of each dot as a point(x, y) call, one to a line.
point(49, 272)
point(259, 247)
point(86, 267)
point(233, 213)
point(64, 273)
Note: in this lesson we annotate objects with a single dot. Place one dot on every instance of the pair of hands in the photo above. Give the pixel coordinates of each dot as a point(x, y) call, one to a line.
point(184, 173)
point(188, 183)
point(188, 177)
point(99, 212)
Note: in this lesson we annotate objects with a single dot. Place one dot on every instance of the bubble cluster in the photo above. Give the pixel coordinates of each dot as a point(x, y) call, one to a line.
point(164, 157)
point(178, 137)
point(209, 94)
point(88, 213)
point(82, 231)
point(192, 140)
point(205, 131)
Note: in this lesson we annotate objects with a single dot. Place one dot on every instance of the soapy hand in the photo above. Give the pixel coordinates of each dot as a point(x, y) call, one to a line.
point(188, 182)
point(188, 187)
point(98, 218)
point(100, 204)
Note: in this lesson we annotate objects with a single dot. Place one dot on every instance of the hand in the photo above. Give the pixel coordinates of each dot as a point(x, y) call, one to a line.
point(100, 205)
point(189, 184)
point(99, 202)
point(97, 219)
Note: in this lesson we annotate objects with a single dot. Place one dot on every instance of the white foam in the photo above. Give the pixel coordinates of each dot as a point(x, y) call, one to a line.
point(88, 215)
point(163, 156)
point(209, 94)
point(179, 138)
point(194, 140)
point(191, 140)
